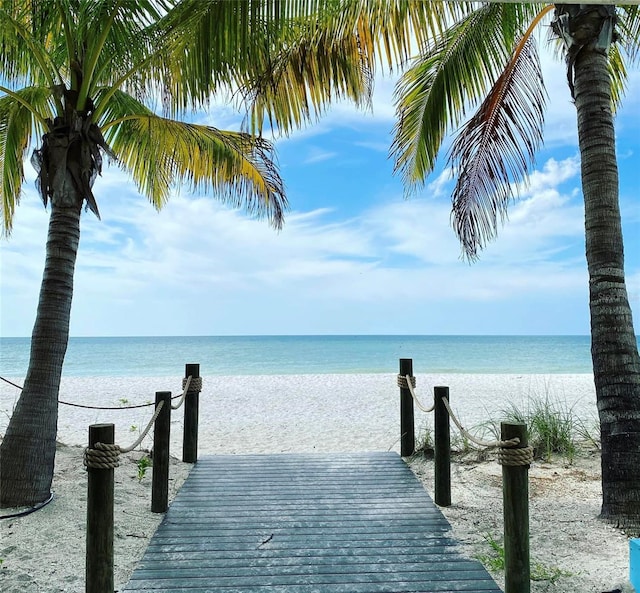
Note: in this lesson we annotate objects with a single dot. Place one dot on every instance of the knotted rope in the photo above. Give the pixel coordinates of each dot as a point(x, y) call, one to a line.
point(508, 452)
point(409, 382)
point(514, 457)
point(107, 456)
point(192, 384)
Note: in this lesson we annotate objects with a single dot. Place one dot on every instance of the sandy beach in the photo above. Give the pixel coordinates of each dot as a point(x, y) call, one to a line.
point(326, 413)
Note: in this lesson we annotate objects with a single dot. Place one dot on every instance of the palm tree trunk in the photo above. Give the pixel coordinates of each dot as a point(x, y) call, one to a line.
point(27, 452)
point(614, 348)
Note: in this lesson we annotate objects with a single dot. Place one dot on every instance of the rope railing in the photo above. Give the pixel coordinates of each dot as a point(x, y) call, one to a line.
point(186, 383)
point(408, 382)
point(514, 455)
point(101, 458)
point(105, 456)
point(196, 385)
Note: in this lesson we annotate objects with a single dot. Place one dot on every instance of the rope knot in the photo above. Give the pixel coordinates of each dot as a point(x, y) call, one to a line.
point(403, 383)
point(192, 384)
point(102, 456)
point(510, 455)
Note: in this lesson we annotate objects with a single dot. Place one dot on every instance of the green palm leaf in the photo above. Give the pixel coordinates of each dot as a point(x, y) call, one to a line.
point(454, 71)
point(161, 152)
point(18, 124)
point(496, 148)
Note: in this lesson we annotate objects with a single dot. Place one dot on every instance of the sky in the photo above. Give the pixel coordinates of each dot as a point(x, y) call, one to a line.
point(356, 255)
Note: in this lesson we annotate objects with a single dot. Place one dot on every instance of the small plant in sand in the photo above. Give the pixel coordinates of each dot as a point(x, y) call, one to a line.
point(123, 401)
point(143, 463)
point(424, 441)
point(495, 562)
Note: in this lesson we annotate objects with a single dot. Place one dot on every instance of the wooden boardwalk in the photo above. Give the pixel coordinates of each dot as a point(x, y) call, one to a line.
point(355, 523)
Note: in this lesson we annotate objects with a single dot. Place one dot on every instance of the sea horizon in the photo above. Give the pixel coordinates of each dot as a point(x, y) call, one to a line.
point(287, 354)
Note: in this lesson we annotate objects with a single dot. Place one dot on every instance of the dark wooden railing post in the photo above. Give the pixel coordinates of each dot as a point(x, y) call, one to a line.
point(100, 484)
point(407, 425)
point(160, 474)
point(442, 448)
point(515, 492)
point(191, 402)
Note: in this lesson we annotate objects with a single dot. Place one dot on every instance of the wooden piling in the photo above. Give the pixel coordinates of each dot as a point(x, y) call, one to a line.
point(160, 474)
point(515, 492)
point(407, 423)
point(442, 448)
point(191, 403)
point(99, 545)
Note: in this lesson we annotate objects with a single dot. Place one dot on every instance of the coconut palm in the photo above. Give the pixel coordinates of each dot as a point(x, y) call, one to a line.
point(489, 58)
point(82, 75)
point(85, 77)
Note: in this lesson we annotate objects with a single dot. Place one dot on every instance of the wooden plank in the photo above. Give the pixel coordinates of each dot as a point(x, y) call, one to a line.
point(355, 523)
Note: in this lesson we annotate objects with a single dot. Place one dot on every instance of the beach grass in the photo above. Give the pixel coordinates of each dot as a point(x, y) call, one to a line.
point(553, 429)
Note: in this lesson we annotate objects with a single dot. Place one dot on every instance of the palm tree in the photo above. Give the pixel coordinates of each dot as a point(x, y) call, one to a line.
point(489, 57)
point(85, 76)
point(82, 74)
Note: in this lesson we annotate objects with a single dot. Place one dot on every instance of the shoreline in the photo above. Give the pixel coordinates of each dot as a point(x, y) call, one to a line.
point(313, 412)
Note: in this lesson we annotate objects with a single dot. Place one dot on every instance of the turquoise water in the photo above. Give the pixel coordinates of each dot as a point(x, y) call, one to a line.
point(284, 355)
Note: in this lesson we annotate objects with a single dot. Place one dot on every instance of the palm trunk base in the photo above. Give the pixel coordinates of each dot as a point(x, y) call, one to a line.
point(26, 470)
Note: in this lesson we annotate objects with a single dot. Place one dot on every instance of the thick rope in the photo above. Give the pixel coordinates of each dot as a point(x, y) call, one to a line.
point(515, 457)
point(195, 384)
point(107, 456)
point(185, 387)
point(102, 456)
point(145, 431)
point(489, 444)
point(409, 382)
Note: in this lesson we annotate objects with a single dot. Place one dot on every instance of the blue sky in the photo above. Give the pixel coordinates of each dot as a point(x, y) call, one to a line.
point(355, 256)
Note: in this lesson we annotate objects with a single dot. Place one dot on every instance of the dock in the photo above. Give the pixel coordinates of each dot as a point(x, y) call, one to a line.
point(305, 523)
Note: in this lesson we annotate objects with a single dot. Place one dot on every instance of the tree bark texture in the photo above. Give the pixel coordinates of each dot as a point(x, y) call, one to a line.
point(27, 452)
point(614, 348)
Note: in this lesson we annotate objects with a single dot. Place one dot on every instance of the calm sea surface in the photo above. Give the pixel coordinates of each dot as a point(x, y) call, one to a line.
point(284, 355)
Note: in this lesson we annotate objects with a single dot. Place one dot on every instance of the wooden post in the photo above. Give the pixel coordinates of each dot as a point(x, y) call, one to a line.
point(100, 484)
point(190, 439)
point(407, 426)
point(442, 448)
point(160, 475)
point(515, 493)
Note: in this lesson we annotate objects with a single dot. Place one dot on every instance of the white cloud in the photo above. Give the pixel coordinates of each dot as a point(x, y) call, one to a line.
point(317, 155)
point(142, 272)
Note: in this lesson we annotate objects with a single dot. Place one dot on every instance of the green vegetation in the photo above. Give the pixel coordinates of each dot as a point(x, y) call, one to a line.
point(553, 427)
point(143, 463)
point(494, 561)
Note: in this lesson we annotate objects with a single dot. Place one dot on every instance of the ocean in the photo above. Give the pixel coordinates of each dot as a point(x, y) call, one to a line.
point(299, 355)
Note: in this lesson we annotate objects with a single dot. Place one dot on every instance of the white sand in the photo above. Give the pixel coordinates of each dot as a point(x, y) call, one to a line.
point(270, 414)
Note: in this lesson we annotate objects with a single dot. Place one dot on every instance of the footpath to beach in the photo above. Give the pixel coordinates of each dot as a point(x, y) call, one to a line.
point(297, 523)
point(44, 552)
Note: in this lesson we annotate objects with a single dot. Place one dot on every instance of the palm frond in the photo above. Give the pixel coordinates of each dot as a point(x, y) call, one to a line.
point(26, 32)
point(495, 148)
point(294, 86)
point(452, 73)
point(17, 127)
point(628, 27)
point(161, 152)
point(618, 74)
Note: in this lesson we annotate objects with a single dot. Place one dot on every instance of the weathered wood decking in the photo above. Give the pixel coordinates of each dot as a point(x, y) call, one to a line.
point(357, 523)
